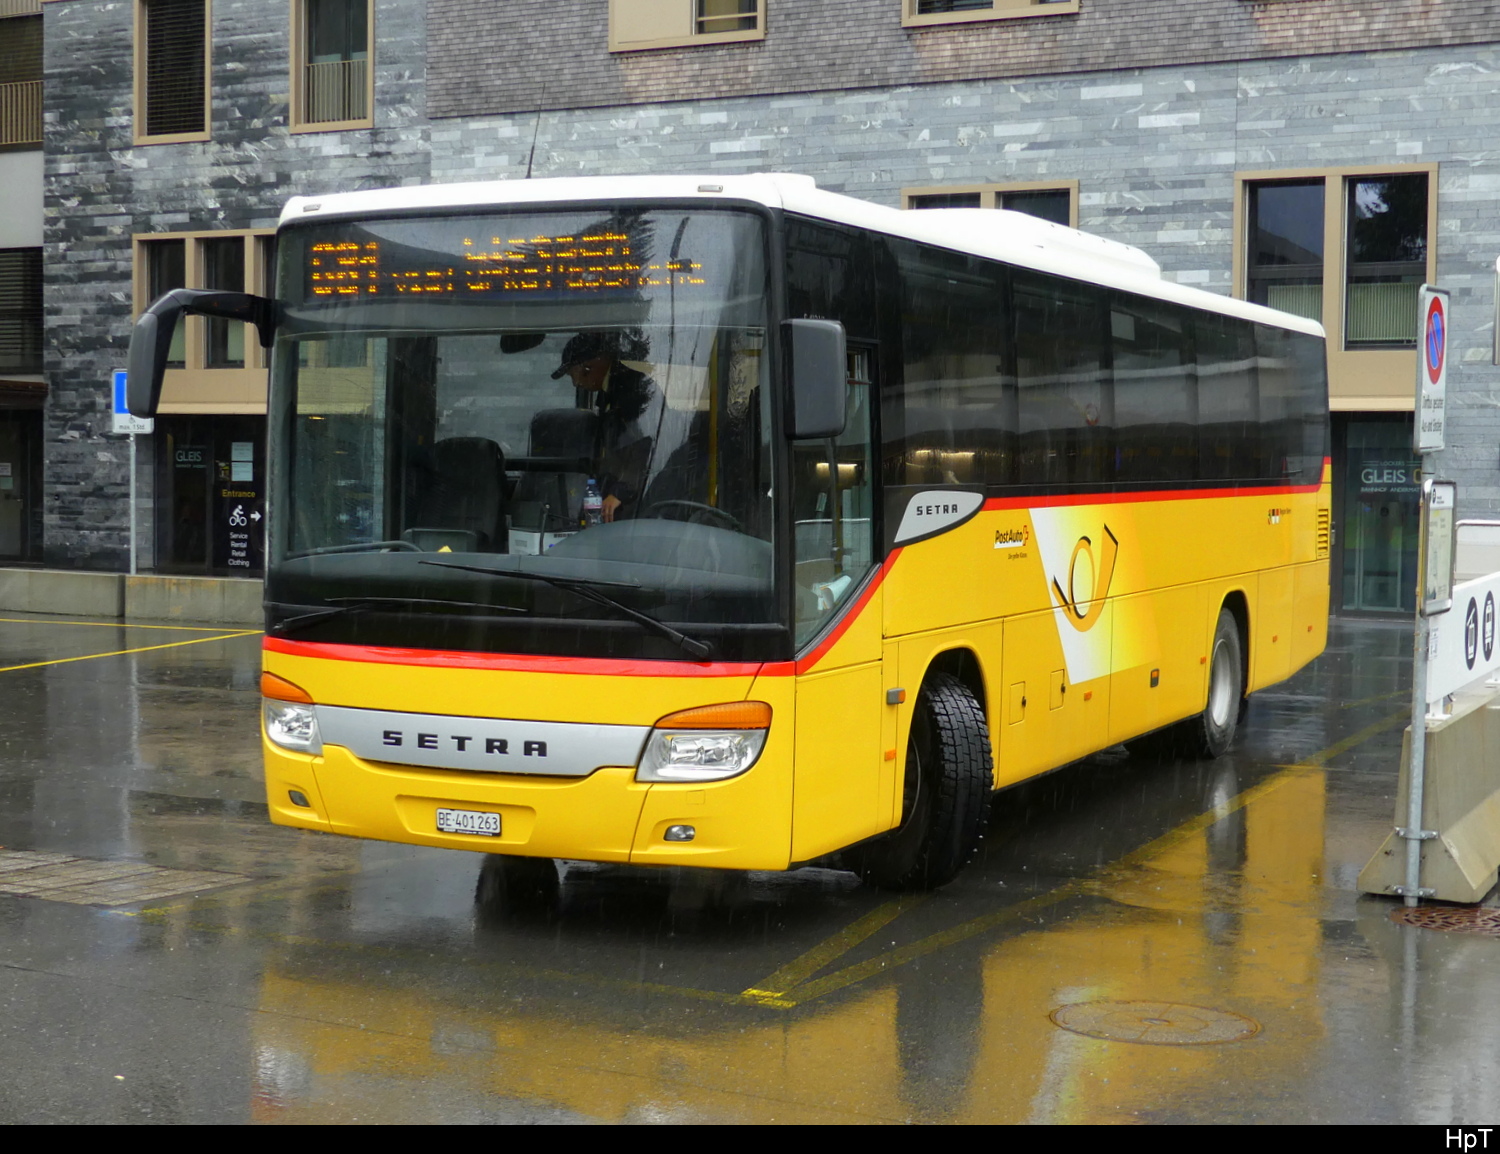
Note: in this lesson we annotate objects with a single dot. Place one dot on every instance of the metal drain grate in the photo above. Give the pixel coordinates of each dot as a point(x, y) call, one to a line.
point(1453, 919)
point(59, 877)
point(1155, 1023)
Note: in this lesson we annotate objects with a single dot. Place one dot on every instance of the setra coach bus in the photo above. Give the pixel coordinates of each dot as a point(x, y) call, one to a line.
point(723, 521)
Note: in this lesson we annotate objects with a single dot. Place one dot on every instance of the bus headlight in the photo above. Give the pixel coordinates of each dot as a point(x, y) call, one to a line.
point(289, 717)
point(706, 744)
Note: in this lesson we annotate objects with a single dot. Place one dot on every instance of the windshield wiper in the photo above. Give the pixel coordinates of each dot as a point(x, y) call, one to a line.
point(592, 591)
point(342, 605)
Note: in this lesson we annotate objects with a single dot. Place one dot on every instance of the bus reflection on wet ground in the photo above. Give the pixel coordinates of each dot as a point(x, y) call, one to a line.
point(1176, 942)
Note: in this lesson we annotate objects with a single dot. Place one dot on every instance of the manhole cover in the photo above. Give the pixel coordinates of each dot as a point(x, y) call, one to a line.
point(1454, 919)
point(1154, 1023)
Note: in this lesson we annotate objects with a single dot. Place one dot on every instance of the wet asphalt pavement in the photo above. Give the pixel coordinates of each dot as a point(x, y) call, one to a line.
point(1201, 917)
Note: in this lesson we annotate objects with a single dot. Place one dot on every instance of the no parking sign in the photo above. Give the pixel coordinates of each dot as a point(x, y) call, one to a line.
point(1432, 369)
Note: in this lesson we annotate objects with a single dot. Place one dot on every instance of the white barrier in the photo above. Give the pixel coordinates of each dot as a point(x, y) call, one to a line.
point(1461, 644)
point(1460, 854)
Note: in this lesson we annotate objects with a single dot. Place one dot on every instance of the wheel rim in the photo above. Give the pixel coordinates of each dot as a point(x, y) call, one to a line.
point(1220, 687)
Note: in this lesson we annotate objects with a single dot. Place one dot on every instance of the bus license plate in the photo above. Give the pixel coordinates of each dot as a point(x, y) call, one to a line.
point(468, 821)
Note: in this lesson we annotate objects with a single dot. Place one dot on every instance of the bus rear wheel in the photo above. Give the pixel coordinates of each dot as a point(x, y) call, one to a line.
point(946, 793)
point(1210, 732)
point(1207, 734)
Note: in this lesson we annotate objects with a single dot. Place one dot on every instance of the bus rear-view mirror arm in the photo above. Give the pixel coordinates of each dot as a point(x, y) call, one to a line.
point(819, 368)
point(151, 339)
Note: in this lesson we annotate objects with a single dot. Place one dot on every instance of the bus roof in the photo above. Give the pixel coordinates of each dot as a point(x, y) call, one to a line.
point(1011, 237)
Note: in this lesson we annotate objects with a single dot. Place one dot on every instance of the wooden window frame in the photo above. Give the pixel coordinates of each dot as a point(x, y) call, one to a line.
point(296, 122)
point(695, 40)
point(139, 82)
point(1000, 10)
point(990, 194)
point(1369, 379)
point(197, 388)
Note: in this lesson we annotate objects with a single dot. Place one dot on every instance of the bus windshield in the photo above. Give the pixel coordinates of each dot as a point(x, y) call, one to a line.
point(541, 432)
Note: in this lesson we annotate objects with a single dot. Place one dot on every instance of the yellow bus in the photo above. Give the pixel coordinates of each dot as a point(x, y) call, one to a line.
point(728, 522)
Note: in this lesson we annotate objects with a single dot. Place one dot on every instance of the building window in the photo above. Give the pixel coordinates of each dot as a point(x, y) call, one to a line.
point(172, 52)
point(231, 261)
point(224, 268)
point(1285, 264)
point(916, 13)
point(332, 82)
point(635, 25)
point(1386, 252)
point(1380, 221)
point(1056, 201)
point(21, 82)
point(20, 310)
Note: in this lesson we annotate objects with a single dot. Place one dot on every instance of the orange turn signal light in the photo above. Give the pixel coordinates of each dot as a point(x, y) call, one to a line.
point(281, 689)
point(731, 715)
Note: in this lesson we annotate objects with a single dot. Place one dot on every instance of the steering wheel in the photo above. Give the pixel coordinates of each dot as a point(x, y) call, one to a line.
point(728, 519)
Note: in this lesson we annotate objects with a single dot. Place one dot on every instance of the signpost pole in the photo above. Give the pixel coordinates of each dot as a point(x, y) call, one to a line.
point(123, 424)
point(132, 505)
point(1435, 557)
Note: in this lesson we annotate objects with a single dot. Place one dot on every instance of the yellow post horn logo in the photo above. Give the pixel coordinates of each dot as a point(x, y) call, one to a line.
point(1081, 615)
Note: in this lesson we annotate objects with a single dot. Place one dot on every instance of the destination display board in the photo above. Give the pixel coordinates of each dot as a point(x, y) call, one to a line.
point(479, 265)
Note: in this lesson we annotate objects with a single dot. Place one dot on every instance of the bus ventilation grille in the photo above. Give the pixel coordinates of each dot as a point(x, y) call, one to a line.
point(1324, 533)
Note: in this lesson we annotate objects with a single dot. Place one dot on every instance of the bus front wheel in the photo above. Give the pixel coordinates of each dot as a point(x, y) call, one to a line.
point(946, 793)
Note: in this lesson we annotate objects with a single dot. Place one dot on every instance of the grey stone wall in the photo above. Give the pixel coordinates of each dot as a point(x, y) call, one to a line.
point(492, 56)
point(100, 189)
point(1154, 151)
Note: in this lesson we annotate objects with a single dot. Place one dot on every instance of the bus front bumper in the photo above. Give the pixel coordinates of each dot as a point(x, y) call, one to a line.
point(608, 816)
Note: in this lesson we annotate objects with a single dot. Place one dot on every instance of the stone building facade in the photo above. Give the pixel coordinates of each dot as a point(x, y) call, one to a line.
point(1159, 121)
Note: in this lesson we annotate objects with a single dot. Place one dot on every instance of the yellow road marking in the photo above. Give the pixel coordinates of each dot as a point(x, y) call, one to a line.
point(1083, 886)
point(1323, 757)
point(109, 624)
point(123, 652)
point(799, 970)
point(1379, 697)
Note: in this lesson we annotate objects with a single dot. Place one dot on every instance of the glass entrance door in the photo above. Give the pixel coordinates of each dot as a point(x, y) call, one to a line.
point(1382, 488)
point(20, 485)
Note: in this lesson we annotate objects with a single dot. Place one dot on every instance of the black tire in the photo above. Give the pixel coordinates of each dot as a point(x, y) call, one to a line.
point(949, 775)
point(511, 887)
point(1209, 734)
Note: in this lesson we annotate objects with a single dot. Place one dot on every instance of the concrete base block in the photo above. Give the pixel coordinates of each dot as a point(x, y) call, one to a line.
point(201, 600)
point(1460, 800)
point(191, 600)
point(62, 591)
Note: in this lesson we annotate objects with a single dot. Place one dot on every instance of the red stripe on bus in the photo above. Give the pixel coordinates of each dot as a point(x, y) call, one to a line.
point(1068, 499)
point(805, 664)
point(518, 662)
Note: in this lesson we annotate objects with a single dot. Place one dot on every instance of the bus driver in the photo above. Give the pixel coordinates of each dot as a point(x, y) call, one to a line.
point(621, 395)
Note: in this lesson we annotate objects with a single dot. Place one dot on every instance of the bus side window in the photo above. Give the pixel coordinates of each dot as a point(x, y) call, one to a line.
point(1066, 405)
point(953, 421)
point(1291, 393)
point(1155, 394)
point(1228, 402)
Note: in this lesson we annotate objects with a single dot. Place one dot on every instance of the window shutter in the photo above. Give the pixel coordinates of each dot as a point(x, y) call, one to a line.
point(174, 67)
point(21, 310)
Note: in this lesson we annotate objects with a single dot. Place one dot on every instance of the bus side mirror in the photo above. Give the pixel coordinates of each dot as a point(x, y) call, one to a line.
point(151, 339)
point(819, 388)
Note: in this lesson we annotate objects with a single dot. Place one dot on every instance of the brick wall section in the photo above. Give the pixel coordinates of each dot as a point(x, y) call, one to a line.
point(491, 56)
point(100, 189)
